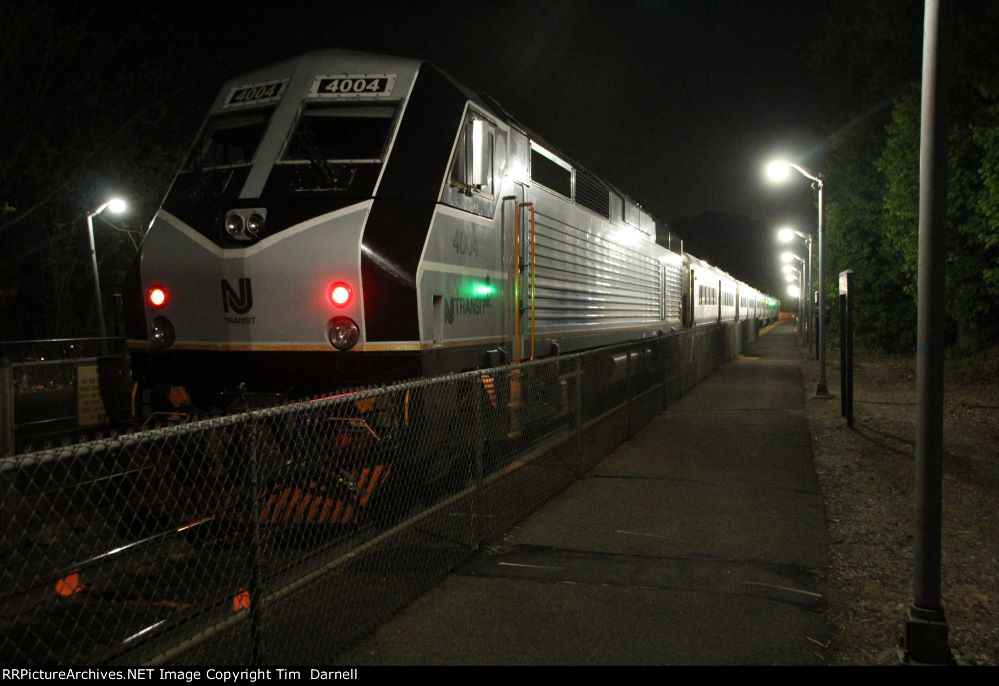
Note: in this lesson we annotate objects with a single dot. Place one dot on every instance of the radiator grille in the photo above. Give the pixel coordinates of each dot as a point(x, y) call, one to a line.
point(584, 280)
point(592, 194)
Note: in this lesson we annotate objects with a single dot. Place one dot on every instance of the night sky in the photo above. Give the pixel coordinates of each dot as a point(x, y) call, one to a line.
point(678, 104)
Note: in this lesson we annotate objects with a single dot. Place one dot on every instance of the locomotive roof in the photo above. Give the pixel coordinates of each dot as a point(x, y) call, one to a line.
point(319, 59)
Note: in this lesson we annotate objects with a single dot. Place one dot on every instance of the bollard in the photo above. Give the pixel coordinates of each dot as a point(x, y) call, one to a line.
point(846, 345)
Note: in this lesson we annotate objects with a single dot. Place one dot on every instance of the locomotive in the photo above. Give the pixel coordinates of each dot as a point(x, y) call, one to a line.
point(347, 219)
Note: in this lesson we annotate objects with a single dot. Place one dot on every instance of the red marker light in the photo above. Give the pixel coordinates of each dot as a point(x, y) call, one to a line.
point(157, 296)
point(339, 294)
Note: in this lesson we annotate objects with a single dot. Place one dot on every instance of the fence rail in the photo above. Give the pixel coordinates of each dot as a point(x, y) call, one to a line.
point(286, 534)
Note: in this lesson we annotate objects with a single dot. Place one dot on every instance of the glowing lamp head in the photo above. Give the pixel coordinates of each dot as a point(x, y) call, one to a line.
point(787, 269)
point(778, 171)
point(116, 206)
point(785, 235)
point(790, 278)
point(339, 294)
point(794, 291)
point(157, 296)
point(787, 257)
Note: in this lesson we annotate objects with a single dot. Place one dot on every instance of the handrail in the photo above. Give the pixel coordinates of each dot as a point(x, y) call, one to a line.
point(531, 205)
point(516, 281)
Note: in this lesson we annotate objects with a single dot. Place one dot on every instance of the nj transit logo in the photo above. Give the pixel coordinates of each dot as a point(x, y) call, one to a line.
point(240, 302)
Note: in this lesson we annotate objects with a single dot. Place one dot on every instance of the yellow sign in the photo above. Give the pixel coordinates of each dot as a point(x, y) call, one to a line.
point(90, 409)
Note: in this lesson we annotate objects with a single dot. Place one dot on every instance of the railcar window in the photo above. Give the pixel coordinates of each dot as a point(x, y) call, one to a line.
point(229, 139)
point(343, 132)
point(551, 174)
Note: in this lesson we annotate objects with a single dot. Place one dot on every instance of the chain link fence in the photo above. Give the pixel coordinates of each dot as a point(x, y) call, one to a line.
point(285, 534)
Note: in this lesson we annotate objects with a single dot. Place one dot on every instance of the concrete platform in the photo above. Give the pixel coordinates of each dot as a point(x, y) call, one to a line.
point(700, 541)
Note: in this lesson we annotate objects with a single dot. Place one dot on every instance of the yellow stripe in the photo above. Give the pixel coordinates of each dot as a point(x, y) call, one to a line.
point(295, 347)
point(371, 486)
point(291, 506)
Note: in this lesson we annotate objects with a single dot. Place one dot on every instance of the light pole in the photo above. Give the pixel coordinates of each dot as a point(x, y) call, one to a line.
point(786, 235)
point(115, 206)
point(779, 171)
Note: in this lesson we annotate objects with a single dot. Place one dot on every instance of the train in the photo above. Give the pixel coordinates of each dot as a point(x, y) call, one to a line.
point(346, 219)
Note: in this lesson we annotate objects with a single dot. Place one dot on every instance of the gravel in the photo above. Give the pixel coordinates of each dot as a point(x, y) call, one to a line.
point(867, 478)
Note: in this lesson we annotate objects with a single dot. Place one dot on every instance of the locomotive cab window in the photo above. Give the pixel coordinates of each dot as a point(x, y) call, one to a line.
point(341, 132)
point(472, 170)
point(229, 140)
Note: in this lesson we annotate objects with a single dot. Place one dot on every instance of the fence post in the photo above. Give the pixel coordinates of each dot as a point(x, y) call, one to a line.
point(256, 593)
point(578, 412)
point(630, 424)
point(480, 444)
point(663, 346)
point(7, 410)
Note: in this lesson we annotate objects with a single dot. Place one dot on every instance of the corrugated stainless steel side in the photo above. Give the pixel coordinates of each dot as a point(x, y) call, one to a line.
point(582, 279)
point(673, 286)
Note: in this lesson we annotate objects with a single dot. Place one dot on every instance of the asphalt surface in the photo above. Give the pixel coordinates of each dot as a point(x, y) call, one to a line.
point(702, 540)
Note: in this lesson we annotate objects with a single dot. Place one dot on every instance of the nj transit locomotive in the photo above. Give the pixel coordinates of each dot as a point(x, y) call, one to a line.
point(346, 219)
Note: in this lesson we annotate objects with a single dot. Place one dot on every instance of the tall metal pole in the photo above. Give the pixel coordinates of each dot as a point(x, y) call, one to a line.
point(97, 281)
point(821, 388)
point(925, 639)
point(808, 306)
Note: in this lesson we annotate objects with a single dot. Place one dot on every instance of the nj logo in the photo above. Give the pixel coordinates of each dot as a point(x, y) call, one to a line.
point(240, 302)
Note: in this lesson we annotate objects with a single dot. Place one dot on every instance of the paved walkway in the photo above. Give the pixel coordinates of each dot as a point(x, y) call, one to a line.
point(700, 541)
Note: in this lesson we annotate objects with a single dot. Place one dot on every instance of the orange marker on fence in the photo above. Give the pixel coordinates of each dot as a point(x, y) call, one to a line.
point(68, 585)
point(241, 601)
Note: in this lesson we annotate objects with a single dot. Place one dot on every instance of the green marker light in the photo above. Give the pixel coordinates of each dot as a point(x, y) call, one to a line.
point(483, 290)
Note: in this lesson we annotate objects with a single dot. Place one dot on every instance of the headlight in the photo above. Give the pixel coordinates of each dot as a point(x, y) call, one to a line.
point(163, 335)
point(233, 225)
point(343, 333)
point(255, 224)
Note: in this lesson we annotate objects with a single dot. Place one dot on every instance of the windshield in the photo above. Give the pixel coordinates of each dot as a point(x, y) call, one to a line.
point(344, 133)
point(229, 139)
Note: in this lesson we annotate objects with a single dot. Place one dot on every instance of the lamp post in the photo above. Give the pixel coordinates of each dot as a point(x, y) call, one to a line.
point(786, 234)
point(778, 171)
point(115, 206)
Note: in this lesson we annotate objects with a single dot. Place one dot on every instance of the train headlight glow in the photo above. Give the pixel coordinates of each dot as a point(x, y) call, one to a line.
point(339, 294)
point(157, 296)
point(163, 335)
point(343, 333)
point(233, 225)
point(255, 224)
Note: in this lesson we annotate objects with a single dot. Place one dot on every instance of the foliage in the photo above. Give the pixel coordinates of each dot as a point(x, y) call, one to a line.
point(873, 171)
point(87, 112)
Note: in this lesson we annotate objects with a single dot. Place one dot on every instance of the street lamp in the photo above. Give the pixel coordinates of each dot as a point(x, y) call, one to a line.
point(778, 171)
point(786, 234)
point(115, 206)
